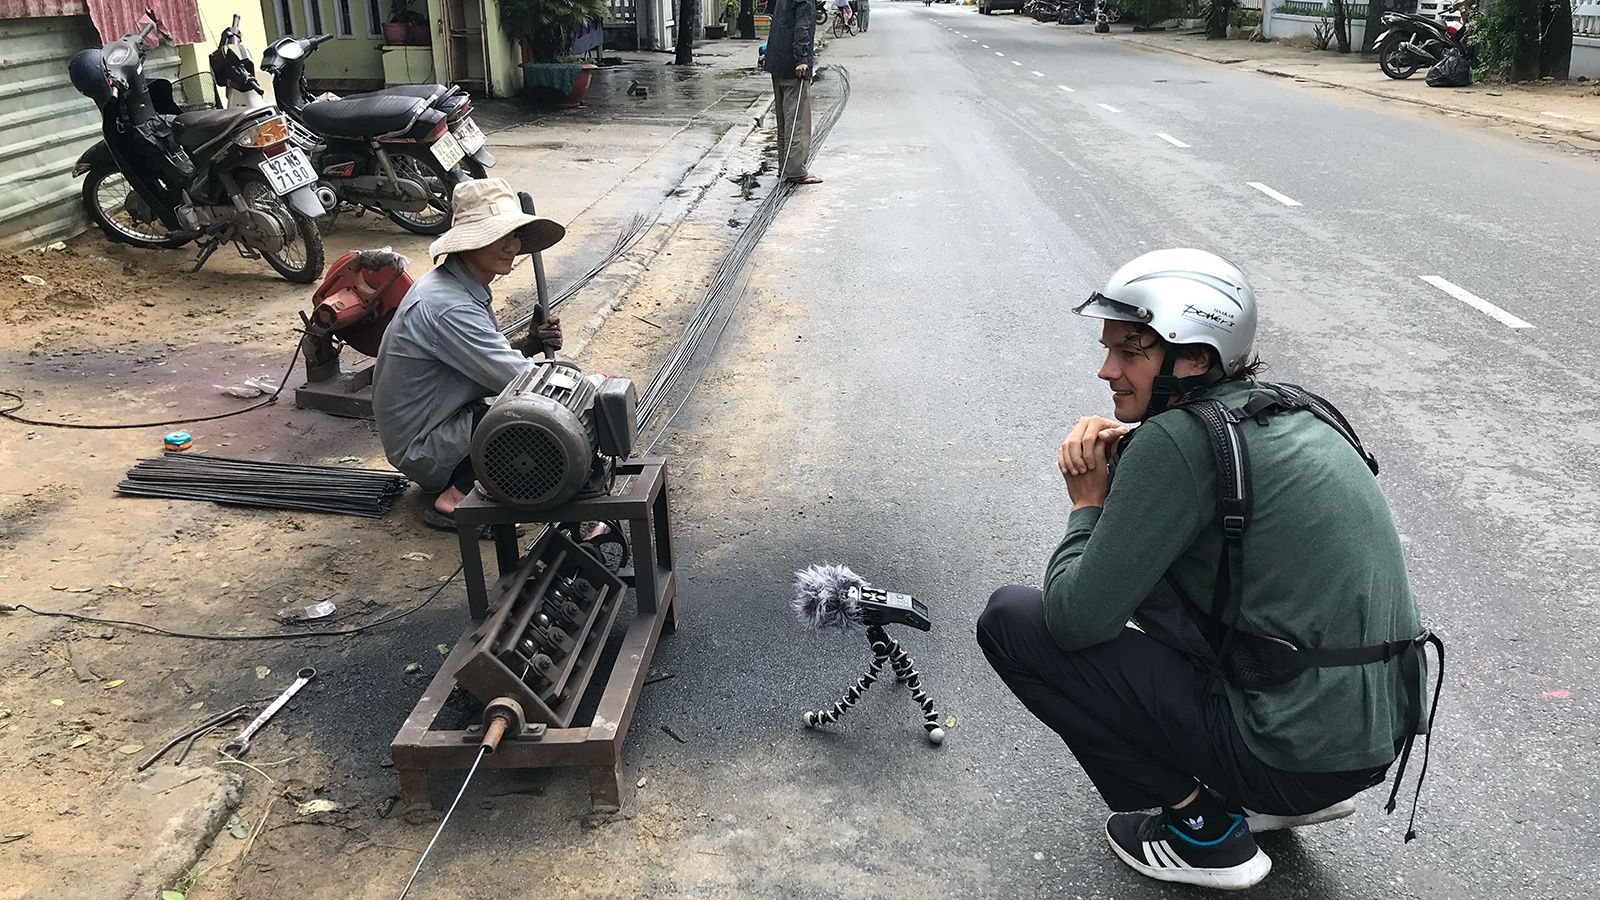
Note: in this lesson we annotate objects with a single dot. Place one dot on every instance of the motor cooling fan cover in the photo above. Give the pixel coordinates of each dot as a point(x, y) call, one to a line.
point(532, 451)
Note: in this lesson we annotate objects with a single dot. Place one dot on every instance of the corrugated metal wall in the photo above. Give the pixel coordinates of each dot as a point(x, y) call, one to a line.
point(180, 19)
point(45, 125)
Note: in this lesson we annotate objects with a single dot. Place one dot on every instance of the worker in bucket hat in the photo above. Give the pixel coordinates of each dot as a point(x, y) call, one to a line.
point(443, 355)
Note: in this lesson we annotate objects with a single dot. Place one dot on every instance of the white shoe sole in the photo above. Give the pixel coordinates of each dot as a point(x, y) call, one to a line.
point(1260, 822)
point(1247, 874)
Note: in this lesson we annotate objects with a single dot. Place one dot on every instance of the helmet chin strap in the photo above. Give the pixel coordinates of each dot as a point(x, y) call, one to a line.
point(1168, 387)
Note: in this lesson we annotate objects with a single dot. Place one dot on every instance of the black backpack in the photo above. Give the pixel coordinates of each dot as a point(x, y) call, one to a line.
point(1209, 633)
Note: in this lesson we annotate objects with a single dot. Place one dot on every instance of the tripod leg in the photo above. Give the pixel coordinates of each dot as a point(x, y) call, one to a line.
point(880, 655)
point(906, 671)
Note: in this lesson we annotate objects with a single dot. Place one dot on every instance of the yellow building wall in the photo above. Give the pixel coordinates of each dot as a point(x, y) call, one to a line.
point(215, 15)
point(353, 60)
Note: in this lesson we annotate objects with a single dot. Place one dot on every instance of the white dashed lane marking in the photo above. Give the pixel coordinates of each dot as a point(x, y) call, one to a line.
point(1476, 302)
point(1286, 201)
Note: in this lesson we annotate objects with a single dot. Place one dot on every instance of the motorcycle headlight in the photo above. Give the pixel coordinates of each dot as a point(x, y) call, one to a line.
point(265, 134)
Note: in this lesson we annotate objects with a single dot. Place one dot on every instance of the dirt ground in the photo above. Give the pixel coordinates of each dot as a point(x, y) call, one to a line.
point(115, 335)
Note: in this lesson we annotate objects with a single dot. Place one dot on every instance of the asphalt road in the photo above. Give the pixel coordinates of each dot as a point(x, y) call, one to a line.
point(891, 393)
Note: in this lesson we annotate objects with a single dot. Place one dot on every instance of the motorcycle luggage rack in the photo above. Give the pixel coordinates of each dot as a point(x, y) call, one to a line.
point(195, 92)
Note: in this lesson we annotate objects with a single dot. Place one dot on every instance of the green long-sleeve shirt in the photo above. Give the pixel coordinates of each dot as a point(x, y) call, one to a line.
point(1323, 568)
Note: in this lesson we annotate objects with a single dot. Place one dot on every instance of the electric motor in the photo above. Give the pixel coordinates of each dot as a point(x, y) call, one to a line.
point(554, 434)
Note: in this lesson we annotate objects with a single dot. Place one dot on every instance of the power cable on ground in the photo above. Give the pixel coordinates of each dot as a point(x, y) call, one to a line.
point(199, 636)
point(272, 398)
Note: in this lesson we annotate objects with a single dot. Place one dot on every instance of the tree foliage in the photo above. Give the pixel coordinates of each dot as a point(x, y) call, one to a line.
point(1522, 40)
point(548, 26)
point(1149, 12)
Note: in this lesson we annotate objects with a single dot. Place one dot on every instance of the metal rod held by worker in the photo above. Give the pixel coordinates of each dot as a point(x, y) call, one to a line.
point(541, 309)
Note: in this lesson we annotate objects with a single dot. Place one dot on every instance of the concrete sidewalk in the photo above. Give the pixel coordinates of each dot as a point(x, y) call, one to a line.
point(115, 335)
point(1569, 108)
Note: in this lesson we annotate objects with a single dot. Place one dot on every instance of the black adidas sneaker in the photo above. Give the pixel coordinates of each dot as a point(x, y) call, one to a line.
point(1152, 846)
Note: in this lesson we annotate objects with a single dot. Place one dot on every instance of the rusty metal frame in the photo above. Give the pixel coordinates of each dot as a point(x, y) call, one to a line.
point(419, 749)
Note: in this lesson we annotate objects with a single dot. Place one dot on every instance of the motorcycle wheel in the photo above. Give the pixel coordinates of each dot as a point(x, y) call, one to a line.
point(822, 15)
point(420, 166)
point(300, 258)
point(105, 202)
point(1390, 58)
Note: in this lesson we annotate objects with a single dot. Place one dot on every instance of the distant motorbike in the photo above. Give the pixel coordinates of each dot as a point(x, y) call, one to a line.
point(1042, 10)
point(165, 177)
point(1411, 41)
point(1074, 12)
point(400, 151)
point(1105, 13)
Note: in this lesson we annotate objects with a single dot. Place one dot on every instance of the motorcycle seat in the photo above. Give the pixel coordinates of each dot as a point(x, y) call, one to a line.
point(367, 116)
point(424, 91)
point(201, 127)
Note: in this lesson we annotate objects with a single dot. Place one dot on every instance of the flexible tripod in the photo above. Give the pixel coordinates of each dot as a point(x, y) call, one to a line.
point(885, 649)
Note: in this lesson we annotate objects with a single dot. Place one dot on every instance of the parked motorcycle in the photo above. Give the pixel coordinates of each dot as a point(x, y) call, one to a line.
point(1042, 10)
point(163, 177)
point(1411, 41)
point(399, 151)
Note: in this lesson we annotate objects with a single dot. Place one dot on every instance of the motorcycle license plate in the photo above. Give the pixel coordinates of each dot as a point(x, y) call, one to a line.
point(468, 133)
point(287, 171)
point(447, 150)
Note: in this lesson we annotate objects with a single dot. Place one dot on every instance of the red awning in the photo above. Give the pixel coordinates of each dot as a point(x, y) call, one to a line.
point(180, 19)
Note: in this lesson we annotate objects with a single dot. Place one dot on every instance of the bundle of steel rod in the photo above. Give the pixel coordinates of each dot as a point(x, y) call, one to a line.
point(264, 484)
point(711, 314)
point(626, 238)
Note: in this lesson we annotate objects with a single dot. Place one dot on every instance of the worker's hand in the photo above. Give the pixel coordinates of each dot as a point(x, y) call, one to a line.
point(541, 336)
point(1083, 456)
point(800, 70)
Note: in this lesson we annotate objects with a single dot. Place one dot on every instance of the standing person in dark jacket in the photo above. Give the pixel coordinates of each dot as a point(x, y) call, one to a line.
point(791, 56)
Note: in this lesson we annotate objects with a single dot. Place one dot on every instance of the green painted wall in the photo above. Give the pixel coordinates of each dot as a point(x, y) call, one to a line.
point(352, 59)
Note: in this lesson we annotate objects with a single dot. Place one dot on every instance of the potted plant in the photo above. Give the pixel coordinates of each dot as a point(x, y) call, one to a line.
point(546, 29)
point(407, 26)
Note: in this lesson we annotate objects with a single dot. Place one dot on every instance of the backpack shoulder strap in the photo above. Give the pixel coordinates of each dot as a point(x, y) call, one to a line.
point(1300, 398)
point(1234, 510)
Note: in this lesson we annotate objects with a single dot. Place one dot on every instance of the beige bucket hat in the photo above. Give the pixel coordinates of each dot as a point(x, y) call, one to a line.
point(486, 210)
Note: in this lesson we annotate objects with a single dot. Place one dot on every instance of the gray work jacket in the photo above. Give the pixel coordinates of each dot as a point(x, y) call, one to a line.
point(442, 352)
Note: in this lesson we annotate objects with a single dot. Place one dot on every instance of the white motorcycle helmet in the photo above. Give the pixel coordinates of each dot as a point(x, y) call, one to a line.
point(1187, 297)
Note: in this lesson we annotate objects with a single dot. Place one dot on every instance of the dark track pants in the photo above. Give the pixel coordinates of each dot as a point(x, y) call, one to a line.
point(1142, 720)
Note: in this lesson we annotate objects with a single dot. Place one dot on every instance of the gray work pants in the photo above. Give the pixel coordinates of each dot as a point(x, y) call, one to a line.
point(791, 103)
point(863, 13)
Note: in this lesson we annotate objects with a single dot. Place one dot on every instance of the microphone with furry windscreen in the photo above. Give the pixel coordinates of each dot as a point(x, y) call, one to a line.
point(835, 597)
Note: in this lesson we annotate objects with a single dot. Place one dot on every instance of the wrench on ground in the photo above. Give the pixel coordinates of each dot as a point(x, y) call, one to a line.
point(241, 744)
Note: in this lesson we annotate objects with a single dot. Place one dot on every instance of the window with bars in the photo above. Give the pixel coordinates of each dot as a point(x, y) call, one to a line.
point(374, 19)
point(344, 20)
point(284, 12)
point(314, 18)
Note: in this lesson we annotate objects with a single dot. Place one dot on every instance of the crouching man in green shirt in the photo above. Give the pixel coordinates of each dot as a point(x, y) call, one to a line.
point(1307, 699)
